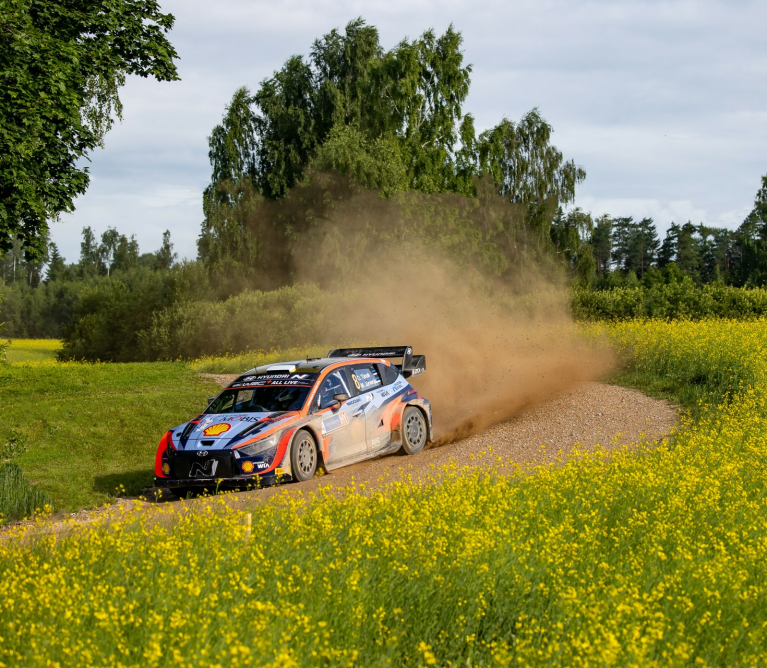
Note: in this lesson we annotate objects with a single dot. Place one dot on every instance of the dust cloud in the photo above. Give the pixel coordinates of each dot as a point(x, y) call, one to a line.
point(485, 359)
point(494, 345)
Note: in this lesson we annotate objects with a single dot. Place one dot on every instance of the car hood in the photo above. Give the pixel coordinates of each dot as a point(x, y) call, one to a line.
point(221, 431)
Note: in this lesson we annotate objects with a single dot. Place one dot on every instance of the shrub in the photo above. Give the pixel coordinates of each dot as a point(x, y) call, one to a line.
point(253, 320)
point(668, 301)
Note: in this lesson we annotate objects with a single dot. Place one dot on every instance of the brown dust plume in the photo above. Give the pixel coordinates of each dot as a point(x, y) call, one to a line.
point(457, 278)
point(485, 361)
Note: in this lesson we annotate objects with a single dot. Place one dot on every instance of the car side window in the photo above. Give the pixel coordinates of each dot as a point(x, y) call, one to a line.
point(335, 383)
point(388, 374)
point(366, 377)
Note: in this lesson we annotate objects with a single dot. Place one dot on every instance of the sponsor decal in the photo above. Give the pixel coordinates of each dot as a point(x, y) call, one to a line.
point(279, 471)
point(276, 376)
point(241, 418)
point(247, 467)
point(217, 429)
point(385, 393)
point(353, 402)
point(375, 442)
point(262, 383)
point(202, 453)
point(334, 423)
point(365, 379)
point(206, 469)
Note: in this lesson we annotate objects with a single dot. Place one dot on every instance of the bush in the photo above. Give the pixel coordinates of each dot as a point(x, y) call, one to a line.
point(681, 299)
point(253, 320)
point(108, 316)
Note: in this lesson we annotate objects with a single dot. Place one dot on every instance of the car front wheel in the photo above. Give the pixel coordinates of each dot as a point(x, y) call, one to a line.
point(414, 431)
point(303, 456)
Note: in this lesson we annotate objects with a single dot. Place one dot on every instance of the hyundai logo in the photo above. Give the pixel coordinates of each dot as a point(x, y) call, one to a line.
point(202, 453)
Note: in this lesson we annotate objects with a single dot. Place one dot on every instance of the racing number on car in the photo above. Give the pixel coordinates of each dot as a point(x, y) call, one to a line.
point(356, 382)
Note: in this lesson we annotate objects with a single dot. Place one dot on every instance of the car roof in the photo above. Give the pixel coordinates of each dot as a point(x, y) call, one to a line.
point(312, 365)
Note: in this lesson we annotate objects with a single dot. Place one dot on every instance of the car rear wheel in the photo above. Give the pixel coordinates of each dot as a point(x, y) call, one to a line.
point(303, 456)
point(414, 433)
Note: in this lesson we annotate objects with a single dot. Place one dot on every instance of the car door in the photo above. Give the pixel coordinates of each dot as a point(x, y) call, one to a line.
point(374, 398)
point(343, 428)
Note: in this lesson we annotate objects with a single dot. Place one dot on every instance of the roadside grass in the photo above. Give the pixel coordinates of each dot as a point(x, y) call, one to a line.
point(89, 431)
point(32, 350)
point(84, 434)
point(653, 557)
point(691, 363)
point(19, 499)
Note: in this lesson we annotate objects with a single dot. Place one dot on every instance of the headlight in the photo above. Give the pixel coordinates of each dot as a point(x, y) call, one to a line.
point(259, 446)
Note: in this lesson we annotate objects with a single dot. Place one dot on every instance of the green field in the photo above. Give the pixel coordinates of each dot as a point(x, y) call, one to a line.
point(20, 351)
point(86, 433)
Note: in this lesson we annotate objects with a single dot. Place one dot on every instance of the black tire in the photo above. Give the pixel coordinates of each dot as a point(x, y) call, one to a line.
point(303, 456)
point(414, 431)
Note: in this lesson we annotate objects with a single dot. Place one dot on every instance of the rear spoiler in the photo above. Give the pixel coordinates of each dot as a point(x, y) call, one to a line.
point(412, 365)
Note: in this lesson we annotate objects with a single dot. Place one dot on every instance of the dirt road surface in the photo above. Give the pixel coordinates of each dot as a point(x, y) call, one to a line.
point(593, 414)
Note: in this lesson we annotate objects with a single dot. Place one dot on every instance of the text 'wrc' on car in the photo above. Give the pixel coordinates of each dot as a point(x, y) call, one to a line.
point(283, 421)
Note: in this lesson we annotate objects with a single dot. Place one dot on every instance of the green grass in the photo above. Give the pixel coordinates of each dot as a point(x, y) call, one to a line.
point(19, 499)
point(91, 429)
point(32, 350)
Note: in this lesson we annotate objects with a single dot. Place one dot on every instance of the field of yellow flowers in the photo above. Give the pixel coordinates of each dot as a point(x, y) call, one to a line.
point(641, 558)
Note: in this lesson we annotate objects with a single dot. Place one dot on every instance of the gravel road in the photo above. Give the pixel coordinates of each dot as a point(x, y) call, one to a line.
point(592, 414)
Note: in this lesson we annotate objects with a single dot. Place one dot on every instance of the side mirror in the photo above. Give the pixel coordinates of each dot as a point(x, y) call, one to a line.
point(338, 399)
point(211, 400)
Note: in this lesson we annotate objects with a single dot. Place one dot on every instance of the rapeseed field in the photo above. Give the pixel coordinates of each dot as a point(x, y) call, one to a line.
point(649, 557)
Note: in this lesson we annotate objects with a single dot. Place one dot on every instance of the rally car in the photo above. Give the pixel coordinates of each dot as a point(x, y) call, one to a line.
point(281, 422)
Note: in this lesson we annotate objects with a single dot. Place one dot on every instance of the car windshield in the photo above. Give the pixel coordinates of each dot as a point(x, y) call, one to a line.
point(265, 399)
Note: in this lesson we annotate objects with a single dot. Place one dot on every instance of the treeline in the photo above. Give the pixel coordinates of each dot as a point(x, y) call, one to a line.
point(612, 252)
point(45, 297)
point(349, 159)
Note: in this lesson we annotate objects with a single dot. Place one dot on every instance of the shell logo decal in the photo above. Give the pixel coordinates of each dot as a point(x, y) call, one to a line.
point(217, 429)
point(247, 467)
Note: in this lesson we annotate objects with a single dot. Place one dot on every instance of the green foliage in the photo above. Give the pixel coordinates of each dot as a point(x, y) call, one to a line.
point(376, 165)
point(528, 169)
point(90, 428)
point(392, 121)
point(568, 234)
point(61, 65)
point(19, 499)
point(679, 299)
point(252, 320)
point(35, 309)
point(108, 315)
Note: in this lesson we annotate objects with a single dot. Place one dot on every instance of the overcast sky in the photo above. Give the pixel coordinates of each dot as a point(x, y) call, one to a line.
point(663, 102)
